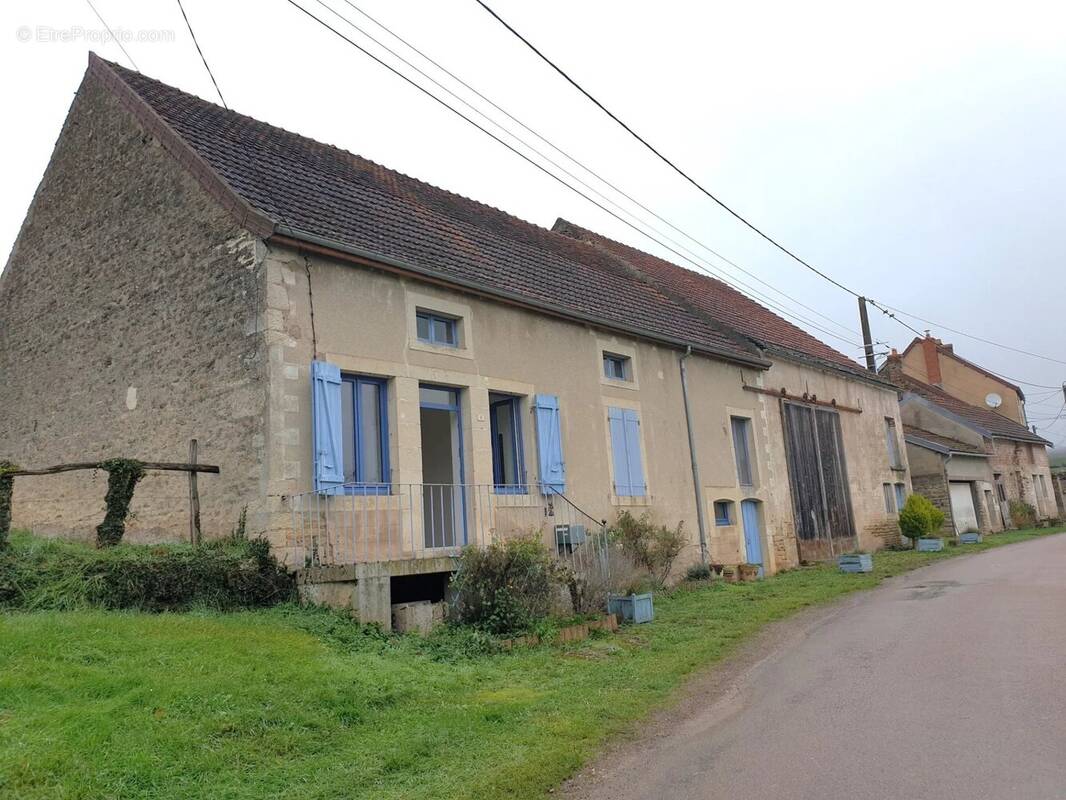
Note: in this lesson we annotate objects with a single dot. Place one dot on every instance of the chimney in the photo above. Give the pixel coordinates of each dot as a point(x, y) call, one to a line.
point(932, 359)
point(892, 369)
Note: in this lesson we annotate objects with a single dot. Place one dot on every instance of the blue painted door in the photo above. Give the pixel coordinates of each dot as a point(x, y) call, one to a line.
point(749, 510)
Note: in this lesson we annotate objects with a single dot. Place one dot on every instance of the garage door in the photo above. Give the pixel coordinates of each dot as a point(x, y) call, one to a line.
point(962, 507)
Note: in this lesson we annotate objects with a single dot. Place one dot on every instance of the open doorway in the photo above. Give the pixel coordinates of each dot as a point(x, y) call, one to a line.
point(443, 503)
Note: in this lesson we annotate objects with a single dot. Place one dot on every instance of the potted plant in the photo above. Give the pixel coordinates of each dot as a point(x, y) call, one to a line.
point(635, 605)
point(856, 562)
point(749, 572)
point(918, 519)
point(970, 536)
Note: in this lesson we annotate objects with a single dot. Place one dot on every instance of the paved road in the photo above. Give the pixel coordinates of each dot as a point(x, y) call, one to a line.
point(949, 682)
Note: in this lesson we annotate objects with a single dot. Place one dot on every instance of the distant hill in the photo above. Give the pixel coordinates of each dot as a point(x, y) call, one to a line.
point(1058, 457)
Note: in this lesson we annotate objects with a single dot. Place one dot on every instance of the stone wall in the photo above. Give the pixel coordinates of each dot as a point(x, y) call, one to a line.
point(130, 325)
point(935, 487)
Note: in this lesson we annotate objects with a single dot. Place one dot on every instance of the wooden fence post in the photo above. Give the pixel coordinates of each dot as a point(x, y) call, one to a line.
point(194, 497)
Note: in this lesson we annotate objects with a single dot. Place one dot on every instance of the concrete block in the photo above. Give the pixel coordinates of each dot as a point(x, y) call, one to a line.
point(417, 617)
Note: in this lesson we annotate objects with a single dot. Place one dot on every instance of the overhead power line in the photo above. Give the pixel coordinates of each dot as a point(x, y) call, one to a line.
point(487, 132)
point(663, 158)
point(703, 266)
point(567, 155)
point(114, 38)
point(207, 66)
point(886, 310)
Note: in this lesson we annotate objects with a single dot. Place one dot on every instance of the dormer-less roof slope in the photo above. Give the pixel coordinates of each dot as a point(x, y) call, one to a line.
point(278, 182)
point(938, 443)
point(721, 301)
point(986, 422)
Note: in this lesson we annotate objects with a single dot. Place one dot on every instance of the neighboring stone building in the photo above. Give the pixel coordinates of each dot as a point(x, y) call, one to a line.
point(1016, 458)
point(385, 371)
point(931, 361)
point(954, 474)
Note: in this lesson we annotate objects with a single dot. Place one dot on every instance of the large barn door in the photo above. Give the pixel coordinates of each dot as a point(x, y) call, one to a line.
point(817, 471)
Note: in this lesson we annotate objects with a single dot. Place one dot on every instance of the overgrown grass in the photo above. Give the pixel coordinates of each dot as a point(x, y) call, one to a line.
point(290, 702)
point(53, 574)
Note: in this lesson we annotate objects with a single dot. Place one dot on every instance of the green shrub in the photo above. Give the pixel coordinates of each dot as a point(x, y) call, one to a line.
point(506, 587)
point(919, 517)
point(698, 572)
point(1022, 514)
point(53, 574)
point(652, 547)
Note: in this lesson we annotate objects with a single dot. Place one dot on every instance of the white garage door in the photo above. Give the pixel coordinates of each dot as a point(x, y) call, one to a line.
point(962, 507)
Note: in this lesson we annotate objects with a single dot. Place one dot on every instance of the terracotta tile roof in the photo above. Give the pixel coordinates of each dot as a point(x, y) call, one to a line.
point(945, 442)
point(721, 301)
point(326, 192)
point(990, 423)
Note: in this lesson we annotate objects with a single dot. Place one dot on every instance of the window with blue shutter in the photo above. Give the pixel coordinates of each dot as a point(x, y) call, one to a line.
point(365, 434)
point(549, 444)
point(326, 422)
point(508, 472)
point(901, 496)
point(624, 424)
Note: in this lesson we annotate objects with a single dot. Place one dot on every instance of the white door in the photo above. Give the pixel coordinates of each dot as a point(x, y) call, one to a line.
point(962, 507)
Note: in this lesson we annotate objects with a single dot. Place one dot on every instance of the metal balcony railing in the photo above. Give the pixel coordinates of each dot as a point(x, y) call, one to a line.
point(362, 523)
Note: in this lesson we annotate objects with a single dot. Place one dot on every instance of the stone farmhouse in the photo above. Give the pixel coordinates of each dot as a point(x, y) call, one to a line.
point(968, 446)
point(385, 371)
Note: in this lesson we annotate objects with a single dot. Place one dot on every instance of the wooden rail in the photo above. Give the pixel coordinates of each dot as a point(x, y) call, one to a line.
point(170, 466)
point(809, 399)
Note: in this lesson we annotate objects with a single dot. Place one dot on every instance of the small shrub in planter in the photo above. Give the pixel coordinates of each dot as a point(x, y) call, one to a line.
point(918, 519)
point(856, 562)
point(748, 572)
point(971, 536)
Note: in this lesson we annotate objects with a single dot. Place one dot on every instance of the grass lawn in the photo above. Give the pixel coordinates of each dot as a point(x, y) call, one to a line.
point(299, 703)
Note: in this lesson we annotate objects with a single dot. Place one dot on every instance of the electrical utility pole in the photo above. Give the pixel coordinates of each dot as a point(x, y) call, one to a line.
point(867, 340)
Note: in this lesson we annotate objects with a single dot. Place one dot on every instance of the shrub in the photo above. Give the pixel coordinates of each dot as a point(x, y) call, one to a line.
point(607, 570)
point(698, 572)
point(1022, 514)
point(652, 547)
point(54, 574)
point(919, 517)
point(506, 587)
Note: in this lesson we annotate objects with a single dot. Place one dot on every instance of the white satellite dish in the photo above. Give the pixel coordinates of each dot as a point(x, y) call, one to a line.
point(993, 400)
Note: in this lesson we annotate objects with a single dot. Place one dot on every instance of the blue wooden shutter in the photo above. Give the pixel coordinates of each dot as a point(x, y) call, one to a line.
point(549, 443)
point(326, 422)
point(624, 424)
point(637, 486)
point(617, 425)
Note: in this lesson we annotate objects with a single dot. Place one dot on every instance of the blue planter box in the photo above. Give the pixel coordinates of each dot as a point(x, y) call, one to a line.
point(930, 545)
point(969, 538)
point(859, 562)
point(632, 608)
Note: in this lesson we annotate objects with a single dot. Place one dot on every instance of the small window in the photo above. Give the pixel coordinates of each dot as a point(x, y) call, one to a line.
point(723, 513)
point(890, 499)
point(364, 427)
point(895, 460)
point(437, 329)
point(508, 475)
point(617, 368)
point(742, 447)
point(901, 496)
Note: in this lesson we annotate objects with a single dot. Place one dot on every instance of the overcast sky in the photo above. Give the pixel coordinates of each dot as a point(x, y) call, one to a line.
point(915, 155)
